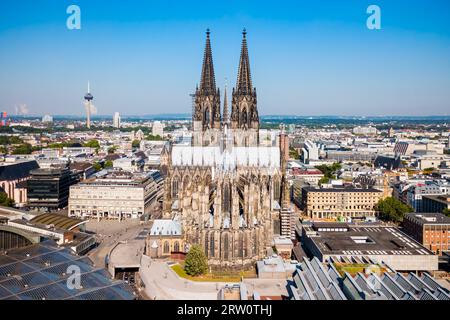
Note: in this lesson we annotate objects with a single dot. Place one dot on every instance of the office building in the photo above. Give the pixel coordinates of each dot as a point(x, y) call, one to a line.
point(347, 202)
point(416, 191)
point(116, 195)
point(47, 119)
point(432, 230)
point(376, 242)
point(158, 129)
point(116, 120)
point(369, 130)
point(310, 151)
point(436, 203)
point(354, 156)
point(48, 188)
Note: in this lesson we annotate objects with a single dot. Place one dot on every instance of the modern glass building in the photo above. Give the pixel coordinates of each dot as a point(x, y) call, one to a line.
point(49, 188)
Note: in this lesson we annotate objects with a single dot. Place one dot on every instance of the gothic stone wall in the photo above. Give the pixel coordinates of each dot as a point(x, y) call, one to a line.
point(229, 215)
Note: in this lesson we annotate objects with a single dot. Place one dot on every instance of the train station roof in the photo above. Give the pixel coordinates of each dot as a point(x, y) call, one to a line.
point(43, 271)
point(59, 221)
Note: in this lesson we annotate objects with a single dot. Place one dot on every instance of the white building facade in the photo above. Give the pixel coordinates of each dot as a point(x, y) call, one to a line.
point(117, 196)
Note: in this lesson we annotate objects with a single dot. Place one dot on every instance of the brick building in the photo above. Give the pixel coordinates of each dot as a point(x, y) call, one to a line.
point(432, 230)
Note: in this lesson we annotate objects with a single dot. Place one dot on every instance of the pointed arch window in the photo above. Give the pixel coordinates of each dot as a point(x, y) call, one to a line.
point(225, 247)
point(226, 201)
point(207, 117)
point(166, 247)
point(241, 246)
point(211, 245)
point(174, 189)
point(186, 183)
point(176, 246)
point(206, 244)
point(276, 189)
point(245, 246)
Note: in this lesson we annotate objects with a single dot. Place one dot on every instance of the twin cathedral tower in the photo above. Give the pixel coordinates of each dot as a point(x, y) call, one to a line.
point(208, 121)
point(224, 191)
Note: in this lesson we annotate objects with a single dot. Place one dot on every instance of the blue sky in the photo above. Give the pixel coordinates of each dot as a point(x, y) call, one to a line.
point(307, 57)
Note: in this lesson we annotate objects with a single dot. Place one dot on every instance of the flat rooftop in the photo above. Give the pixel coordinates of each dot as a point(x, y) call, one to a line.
point(445, 199)
point(428, 218)
point(122, 178)
point(340, 189)
point(365, 240)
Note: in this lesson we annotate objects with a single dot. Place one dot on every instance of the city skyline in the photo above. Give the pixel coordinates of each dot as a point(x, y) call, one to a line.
point(328, 62)
point(225, 155)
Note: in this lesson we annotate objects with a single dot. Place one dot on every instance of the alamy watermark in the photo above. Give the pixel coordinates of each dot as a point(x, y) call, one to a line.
point(74, 280)
point(74, 20)
point(374, 20)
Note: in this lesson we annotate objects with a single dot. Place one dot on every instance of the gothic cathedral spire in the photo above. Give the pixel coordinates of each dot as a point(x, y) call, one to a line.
point(208, 80)
point(244, 79)
point(225, 116)
point(207, 98)
point(244, 113)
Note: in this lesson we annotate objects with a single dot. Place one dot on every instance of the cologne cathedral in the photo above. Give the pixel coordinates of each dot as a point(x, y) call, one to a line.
point(225, 187)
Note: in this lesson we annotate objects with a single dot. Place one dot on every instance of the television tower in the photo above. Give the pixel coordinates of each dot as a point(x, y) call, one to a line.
point(88, 97)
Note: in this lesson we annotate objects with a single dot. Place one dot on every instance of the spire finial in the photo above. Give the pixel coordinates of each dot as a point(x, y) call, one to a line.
point(208, 82)
point(244, 81)
point(89, 87)
point(225, 117)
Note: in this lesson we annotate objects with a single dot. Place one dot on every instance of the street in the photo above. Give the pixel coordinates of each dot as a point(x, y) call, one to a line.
point(109, 233)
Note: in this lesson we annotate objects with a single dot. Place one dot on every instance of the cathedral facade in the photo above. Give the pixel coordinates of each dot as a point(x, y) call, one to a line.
point(225, 187)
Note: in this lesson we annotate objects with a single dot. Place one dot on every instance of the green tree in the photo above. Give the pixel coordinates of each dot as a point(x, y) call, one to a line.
point(136, 144)
point(112, 149)
point(97, 166)
point(329, 172)
point(108, 164)
point(92, 144)
point(324, 180)
point(6, 140)
point(23, 149)
point(151, 137)
point(196, 263)
point(5, 201)
point(293, 154)
point(59, 145)
point(428, 170)
point(446, 211)
point(392, 209)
